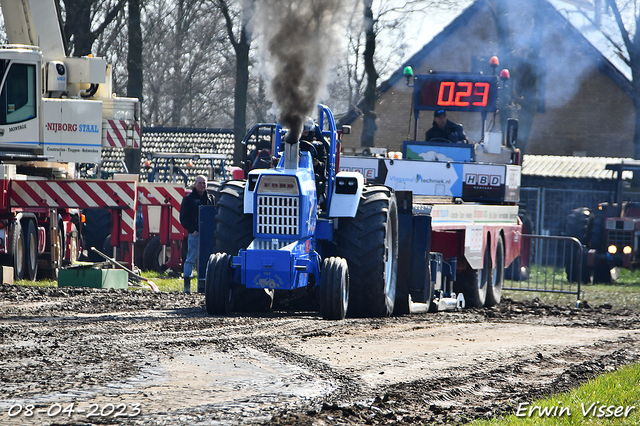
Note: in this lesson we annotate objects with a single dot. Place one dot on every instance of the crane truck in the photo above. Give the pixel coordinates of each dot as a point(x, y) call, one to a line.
point(372, 236)
point(56, 111)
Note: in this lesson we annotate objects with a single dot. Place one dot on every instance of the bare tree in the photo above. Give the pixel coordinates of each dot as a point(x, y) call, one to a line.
point(631, 54)
point(241, 43)
point(188, 69)
point(86, 20)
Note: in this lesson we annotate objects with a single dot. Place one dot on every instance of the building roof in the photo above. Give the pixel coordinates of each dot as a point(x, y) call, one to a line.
point(599, 44)
point(572, 167)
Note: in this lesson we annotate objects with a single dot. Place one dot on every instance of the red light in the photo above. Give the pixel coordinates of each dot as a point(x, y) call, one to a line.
point(494, 61)
point(504, 74)
point(1, 224)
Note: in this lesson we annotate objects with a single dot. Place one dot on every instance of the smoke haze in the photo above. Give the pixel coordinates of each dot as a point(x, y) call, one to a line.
point(299, 41)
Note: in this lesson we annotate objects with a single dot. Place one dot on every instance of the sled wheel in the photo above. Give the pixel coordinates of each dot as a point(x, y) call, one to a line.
point(473, 284)
point(520, 268)
point(334, 293)
point(219, 292)
point(496, 280)
point(31, 251)
point(369, 243)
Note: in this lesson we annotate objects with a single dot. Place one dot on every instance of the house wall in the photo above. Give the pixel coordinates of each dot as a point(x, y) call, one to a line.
point(583, 112)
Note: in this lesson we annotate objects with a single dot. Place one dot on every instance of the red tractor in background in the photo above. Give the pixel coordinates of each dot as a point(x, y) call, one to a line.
point(609, 233)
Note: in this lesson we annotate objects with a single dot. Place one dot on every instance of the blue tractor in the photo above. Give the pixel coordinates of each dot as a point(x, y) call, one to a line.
point(294, 228)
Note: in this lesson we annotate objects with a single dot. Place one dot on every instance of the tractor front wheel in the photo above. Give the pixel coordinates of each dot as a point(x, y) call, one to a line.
point(219, 292)
point(334, 291)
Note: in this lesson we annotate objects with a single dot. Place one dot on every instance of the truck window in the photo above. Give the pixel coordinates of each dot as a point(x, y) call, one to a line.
point(18, 98)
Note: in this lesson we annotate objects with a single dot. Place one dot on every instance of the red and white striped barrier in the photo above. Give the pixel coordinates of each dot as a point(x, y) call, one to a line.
point(121, 134)
point(73, 194)
point(158, 194)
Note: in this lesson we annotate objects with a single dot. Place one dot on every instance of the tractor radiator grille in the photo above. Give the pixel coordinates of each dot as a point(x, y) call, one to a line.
point(620, 238)
point(278, 215)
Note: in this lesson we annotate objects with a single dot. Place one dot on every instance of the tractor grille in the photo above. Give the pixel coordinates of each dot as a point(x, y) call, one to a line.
point(278, 215)
point(620, 238)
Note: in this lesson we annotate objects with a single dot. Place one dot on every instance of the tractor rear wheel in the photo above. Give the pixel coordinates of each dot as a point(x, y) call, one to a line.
point(496, 280)
point(234, 229)
point(334, 291)
point(369, 243)
point(219, 291)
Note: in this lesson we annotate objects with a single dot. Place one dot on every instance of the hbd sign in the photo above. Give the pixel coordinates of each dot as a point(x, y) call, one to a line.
point(482, 180)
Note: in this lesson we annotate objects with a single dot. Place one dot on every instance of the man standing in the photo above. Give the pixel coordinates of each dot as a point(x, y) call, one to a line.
point(189, 211)
point(445, 129)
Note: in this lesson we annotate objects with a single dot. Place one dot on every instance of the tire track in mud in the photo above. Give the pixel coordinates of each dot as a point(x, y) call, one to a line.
point(291, 368)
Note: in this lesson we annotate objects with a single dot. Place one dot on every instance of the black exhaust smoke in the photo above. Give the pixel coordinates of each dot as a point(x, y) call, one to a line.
point(300, 42)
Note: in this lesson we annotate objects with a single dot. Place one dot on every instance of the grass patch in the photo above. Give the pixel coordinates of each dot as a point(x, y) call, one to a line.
point(612, 399)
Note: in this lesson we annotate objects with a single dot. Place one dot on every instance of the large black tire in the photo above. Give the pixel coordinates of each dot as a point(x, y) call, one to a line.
point(94, 231)
point(473, 284)
point(18, 248)
point(334, 290)
point(496, 280)
point(234, 229)
point(31, 251)
point(152, 255)
point(578, 225)
point(369, 243)
point(219, 289)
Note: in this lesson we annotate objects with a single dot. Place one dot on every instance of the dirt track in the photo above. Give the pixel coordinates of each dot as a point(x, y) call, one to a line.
point(136, 357)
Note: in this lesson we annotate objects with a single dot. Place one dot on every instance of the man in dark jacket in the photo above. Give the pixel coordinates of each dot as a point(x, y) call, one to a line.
point(189, 210)
point(445, 129)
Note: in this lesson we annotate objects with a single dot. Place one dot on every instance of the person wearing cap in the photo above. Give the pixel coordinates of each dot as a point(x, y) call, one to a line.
point(445, 129)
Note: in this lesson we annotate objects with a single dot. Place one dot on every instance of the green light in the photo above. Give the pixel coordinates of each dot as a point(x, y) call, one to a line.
point(408, 72)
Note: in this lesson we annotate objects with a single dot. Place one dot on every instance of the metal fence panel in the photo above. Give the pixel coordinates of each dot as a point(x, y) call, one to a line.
point(554, 265)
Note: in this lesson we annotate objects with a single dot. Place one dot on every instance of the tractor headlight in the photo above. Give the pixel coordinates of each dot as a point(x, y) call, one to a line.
point(612, 249)
point(626, 250)
point(346, 185)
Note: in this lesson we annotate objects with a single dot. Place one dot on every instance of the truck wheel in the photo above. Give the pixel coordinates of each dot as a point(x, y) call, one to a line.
point(234, 229)
point(369, 243)
point(496, 281)
point(334, 292)
point(578, 225)
point(107, 248)
point(31, 251)
point(473, 284)
point(18, 249)
point(152, 255)
point(219, 291)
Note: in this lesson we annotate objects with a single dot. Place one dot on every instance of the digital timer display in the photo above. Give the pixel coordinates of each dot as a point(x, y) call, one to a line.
point(455, 92)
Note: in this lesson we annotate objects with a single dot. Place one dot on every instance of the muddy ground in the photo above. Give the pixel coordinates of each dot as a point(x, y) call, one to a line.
point(86, 356)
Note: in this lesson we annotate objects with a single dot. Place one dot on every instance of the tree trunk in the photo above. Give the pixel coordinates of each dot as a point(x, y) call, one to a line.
point(134, 70)
point(369, 126)
point(240, 95)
